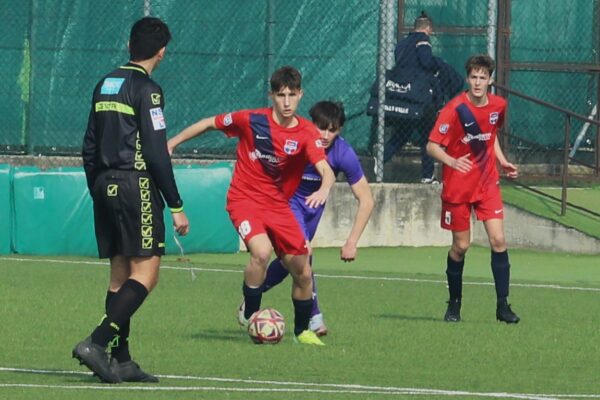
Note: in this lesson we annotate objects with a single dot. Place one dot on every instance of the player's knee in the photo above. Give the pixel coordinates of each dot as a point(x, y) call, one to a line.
point(497, 243)
point(260, 258)
point(303, 277)
point(459, 249)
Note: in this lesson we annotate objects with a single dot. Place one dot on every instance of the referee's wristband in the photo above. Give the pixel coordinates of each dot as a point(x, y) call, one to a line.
point(176, 210)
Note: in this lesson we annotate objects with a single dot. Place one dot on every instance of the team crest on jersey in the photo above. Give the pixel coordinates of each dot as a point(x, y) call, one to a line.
point(290, 146)
point(493, 118)
point(228, 119)
point(444, 128)
point(319, 143)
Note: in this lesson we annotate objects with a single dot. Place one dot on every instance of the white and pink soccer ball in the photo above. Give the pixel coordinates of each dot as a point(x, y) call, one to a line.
point(266, 326)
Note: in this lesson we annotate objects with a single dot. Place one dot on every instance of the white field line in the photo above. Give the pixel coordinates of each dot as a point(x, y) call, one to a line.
point(356, 277)
point(308, 387)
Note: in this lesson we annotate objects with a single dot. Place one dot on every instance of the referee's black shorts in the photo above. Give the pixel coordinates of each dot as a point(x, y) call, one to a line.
point(128, 215)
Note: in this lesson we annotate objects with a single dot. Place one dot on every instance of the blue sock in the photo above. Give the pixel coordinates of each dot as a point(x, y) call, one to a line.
point(501, 272)
point(276, 273)
point(252, 299)
point(454, 273)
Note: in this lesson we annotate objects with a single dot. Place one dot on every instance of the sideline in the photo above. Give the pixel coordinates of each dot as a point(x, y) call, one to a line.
point(355, 277)
point(306, 387)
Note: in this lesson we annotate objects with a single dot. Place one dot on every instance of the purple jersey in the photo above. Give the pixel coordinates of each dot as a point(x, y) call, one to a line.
point(342, 158)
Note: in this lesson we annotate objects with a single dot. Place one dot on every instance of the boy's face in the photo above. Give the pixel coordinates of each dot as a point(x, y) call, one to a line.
point(479, 81)
point(328, 136)
point(285, 101)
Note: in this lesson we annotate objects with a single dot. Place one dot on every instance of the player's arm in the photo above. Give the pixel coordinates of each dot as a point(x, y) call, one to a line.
point(153, 135)
point(88, 151)
point(462, 164)
point(509, 168)
point(364, 197)
point(319, 197)
point(192, 131)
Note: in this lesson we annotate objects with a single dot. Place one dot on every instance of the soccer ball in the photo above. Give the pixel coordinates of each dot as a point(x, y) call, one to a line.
point(266, 326)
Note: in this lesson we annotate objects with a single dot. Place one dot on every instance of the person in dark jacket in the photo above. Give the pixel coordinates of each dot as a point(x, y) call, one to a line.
point(428, 82)
point(129, 172)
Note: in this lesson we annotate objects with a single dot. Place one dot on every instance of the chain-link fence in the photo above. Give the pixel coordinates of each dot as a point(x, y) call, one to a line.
point(223, 52)
point(219, 60)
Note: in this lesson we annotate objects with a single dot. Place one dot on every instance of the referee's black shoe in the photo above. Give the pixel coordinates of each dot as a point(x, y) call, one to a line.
point(505, 314)
point(130, 371)
point(453, 311)
point(95, 358)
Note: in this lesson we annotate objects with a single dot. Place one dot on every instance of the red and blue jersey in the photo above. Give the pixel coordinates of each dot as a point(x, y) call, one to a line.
point(270, 158)
point(463, 128)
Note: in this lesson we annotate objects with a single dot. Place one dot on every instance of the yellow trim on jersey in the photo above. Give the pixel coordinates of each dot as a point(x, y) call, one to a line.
point(114, 106)
point(177, 210)
point(133, 68)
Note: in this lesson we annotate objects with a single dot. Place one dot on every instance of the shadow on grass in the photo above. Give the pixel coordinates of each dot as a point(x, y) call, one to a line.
point(439, 319)
point(409, 317)
point(228, 335)
point(70, 376)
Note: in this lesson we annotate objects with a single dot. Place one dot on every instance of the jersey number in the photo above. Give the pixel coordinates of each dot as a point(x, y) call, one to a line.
point(244, 229)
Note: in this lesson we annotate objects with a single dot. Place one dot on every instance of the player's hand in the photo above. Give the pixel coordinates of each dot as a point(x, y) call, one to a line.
point(510, 170)
point(317, 198)
point(171, 147)
point(462, 164)
point(181, 223)
point(348, 252)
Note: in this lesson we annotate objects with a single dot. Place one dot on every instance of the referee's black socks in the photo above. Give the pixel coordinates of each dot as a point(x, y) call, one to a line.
point(121, 306)
point(119, 344)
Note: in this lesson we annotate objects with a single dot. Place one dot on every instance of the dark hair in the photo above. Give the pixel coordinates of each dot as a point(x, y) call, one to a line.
point(480, 61)
point(327, 114)
point(423, 21)
point(286, 77)
point(148, 36)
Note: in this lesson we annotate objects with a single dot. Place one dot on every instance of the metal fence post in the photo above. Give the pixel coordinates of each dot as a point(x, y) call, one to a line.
point(565, 171)
point(386, 27)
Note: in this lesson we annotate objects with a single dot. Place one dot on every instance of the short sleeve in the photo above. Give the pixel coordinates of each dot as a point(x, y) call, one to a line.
point(232, 123)
point(349, 163)
point(442, 132)
point(314, 148)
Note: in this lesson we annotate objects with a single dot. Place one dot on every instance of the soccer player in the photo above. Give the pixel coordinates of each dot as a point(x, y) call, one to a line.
point(329, 117)
point(128, 168)
point(274, 146)
point(465, 140)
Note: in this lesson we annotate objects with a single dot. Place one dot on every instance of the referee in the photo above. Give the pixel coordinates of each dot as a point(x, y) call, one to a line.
point(129, 172)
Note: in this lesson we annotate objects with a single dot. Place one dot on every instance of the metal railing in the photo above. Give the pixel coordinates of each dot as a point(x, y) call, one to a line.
point(569, 115)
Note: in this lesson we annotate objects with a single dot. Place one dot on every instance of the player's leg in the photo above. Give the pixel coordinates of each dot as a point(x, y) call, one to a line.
point(301, 297)
point(124, 303)
point(500, 269)
point(311, 220)
point(119, 273)
point(292, 247)
point(455, 263)
point(260, 249)
point(491, 212)
point(456, 218)
point(93, 355)
point(276, 273)
point(317, 320)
